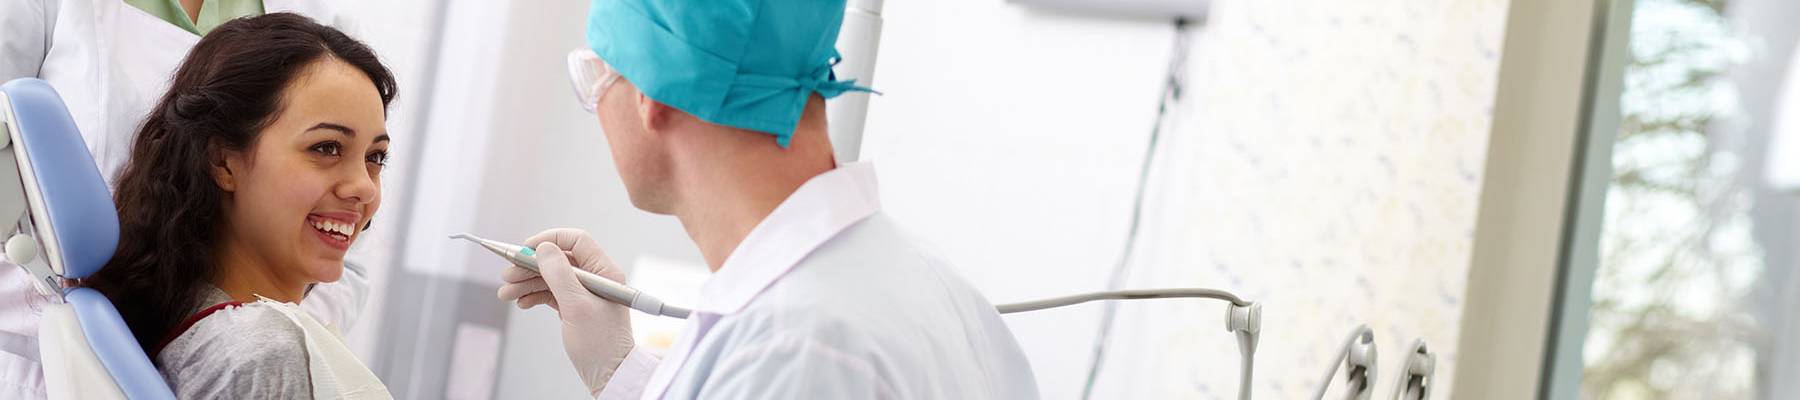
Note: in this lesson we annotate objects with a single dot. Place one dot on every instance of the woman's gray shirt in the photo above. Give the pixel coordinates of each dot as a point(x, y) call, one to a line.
point(247, 352)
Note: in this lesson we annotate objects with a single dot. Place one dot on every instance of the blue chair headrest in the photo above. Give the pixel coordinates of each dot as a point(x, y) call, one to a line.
point(75, 203)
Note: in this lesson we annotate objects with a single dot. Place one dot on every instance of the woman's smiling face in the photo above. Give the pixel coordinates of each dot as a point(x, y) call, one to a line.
point(301, 193)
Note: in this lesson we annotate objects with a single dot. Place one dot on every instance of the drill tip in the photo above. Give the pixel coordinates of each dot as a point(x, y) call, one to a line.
point(461, 235)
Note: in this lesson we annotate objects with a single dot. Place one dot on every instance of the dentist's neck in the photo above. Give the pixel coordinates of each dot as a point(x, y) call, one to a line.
point(730, 180)
point(243, 275)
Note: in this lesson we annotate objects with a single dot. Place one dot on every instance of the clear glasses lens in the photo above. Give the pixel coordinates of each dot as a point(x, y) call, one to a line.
point(589, 77)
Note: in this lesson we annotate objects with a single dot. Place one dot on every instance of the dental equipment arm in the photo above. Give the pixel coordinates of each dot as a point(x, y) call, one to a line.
point(1359, 361)
point(1416, 376)
point(1358, 356)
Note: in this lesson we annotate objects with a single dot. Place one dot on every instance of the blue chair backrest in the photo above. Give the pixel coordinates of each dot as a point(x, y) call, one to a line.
point(75, 204)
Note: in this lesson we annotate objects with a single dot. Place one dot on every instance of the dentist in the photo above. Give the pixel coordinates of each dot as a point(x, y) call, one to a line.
point(715, 114)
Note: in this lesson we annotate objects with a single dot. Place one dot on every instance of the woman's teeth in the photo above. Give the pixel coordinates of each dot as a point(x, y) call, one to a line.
point(338, 230)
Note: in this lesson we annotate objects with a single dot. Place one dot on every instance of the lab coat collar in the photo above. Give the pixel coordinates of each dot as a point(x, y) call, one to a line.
point(812, 215)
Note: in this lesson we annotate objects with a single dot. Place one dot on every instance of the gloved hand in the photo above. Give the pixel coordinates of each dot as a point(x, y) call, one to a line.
point(596, 333)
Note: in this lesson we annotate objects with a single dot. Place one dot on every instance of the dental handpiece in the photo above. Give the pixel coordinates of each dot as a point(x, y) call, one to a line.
point(616, 292)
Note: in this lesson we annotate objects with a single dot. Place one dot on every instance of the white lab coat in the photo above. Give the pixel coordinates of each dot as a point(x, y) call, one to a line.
point(111, 62)
point(828, 299)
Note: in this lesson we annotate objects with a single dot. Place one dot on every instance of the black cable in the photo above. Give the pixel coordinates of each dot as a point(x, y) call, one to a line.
point(1171, 92)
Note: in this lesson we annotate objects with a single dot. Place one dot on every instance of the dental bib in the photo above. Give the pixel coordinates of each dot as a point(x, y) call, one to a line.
point(336, 373)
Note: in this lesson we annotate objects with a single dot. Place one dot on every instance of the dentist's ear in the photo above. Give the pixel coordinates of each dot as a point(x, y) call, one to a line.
point(654, 114)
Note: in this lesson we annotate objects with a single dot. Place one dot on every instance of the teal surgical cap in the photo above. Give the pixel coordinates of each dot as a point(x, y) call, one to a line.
point(750, 64)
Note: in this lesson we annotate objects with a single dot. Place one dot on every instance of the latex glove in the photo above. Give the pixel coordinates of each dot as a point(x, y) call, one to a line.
point(596, 333)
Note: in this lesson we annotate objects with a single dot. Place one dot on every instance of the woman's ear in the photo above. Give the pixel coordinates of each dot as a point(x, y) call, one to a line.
point(225, 166)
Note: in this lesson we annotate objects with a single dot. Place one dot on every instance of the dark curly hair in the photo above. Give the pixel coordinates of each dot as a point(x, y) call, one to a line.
point(228, 89)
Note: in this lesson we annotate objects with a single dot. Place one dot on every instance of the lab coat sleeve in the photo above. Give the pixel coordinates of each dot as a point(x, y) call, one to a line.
point(629, 379)
point(26, 28)
point(796, 367)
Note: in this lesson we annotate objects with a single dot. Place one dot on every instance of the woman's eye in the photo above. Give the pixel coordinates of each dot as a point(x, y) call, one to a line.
point(328, 148)
point(379, 158)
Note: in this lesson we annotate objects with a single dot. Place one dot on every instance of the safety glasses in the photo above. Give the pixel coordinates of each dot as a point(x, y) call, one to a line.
point(590, 77)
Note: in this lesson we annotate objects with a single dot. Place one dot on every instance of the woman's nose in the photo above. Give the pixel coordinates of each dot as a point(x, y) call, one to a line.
point(359, 186)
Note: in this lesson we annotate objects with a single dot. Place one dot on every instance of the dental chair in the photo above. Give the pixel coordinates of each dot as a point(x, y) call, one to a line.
point(65, 227)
